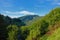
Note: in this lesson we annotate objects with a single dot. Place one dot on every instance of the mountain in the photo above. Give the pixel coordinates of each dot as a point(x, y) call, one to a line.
point(5, 21)
point(44, 28)
point(12, 21)
point(28, 17)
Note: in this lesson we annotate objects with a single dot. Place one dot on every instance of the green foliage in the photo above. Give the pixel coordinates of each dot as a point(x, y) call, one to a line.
point(24, 31)
point(12, 34)
point(43, 25)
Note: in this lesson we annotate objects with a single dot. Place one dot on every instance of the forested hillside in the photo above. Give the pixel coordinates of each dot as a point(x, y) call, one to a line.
point(41, 28)
point(28, 18)
point(5, 21)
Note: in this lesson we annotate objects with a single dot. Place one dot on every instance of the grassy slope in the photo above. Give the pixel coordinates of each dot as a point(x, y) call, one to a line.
point(53, 34)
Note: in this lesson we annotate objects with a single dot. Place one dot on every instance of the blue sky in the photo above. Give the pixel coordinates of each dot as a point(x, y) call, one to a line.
point(17, 8)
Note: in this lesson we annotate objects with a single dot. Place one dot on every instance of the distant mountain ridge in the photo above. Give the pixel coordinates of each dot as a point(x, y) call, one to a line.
point(28, 17)
point(21, 20)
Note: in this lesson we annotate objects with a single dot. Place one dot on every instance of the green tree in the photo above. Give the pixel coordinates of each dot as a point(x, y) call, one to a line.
point(12, 32)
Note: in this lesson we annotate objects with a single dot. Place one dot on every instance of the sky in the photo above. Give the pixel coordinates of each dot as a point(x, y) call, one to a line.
point(18, 8)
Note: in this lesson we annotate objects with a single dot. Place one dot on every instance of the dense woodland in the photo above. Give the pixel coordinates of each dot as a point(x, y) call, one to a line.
point(33, 28)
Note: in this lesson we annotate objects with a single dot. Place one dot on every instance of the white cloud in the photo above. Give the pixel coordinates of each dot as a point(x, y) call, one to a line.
point(14, 16)
point(20, 12)
point(17, 14)
point(27, 13)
